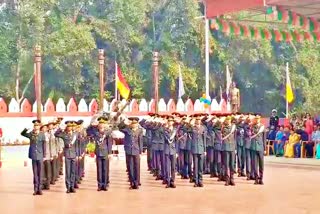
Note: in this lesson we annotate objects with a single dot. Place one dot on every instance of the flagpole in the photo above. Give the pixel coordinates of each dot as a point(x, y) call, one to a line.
point(207, 55)
point(115, 80)
point(287, 79)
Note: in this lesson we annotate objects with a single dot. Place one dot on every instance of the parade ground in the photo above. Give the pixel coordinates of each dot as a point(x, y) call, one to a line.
point(291, 186)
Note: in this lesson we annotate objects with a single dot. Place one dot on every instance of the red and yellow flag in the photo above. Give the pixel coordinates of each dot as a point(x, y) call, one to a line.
point(122, 84)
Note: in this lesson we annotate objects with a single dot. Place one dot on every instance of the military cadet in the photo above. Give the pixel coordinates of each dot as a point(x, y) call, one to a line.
point(133, 146)
point(170, 153)
point(82, 137)
point(247, 146)
point(183, 152)
point(273, 125)
point(36, 151)
point(148, 137)
point(258, 149)
point(79, 151)
point(198, 136)
point(240, 146)
point(217, 162)
point(158, 147)
point(60, 145)
point(189, 143)
point(54, 152)
point(69, 138)
point(47, 171)
point(103, 151)
point(210, 144)
point(229, 147)
point(223, 170)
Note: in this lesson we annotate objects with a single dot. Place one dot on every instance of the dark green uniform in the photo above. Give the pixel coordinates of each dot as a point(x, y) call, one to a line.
point(258, 150)
point(229, 147)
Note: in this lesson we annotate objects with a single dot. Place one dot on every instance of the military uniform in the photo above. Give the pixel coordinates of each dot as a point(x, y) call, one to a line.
point(229, 147)
point(183, 151)
point(54, 156)
point(133, 146)
point(36, 151)
point(258, 150)
point(210, 148)
point(217, 162)
point(70, 155)
point(158, 147)
point(247, 147)
point(170, 156)
point(47, 171)
point(198, 150)
point(240, 149)
point(103, 149)
point(148, 139)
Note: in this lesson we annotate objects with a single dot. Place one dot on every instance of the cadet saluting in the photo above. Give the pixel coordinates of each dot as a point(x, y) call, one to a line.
point(69, 138)
point(170, 153)
point(229, 147)
point(36, 151)
point(258, 150)
point(198, 136)
point(133, 146)
point(103, 151)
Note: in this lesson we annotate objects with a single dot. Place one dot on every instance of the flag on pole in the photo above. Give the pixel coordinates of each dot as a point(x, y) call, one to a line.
point(121, 83)
point(228, 82)
point(181, 91)
point(289, 91)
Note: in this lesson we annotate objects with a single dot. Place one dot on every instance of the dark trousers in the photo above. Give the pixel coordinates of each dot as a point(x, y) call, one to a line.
point(134, 169)
point(153, 160)
point(198, 160)
point(253, 157)
point(78, 175)
point(184, 161)
point(229, 167)
point(160, 163)
point(54, 170)
point(210, 159)
point(149, 157)
point(102, 170)
point(37, 166)
point(190, 161)
point(217, 162)
point(70, 170)
point(170, 168)
point(223, 163)
point(258, 162)
point(82, 166)
point(309, 149)
point(241, 156)
point(248, 162)
point(60, 164)
point(47, 173)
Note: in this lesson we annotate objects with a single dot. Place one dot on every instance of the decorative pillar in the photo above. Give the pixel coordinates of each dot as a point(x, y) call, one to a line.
point(37, 79)
point(101, 77)
point(155, 70)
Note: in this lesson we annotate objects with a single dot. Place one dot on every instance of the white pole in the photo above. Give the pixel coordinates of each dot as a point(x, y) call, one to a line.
point(115, 80)
point(287, 79)
point(207, 55)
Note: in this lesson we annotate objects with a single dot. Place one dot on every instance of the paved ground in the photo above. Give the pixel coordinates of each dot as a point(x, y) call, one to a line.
point(287, 189)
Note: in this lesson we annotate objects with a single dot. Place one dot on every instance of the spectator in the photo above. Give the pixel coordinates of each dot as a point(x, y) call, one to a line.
point(303, 137)
point(294, 138)
point(308, 125)
point(279, 136)
point(285, 138)
point(316, 141)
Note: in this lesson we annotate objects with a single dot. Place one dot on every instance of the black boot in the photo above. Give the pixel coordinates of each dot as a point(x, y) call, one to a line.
point(232, 180)
point(227, 179)
point(256, 181)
